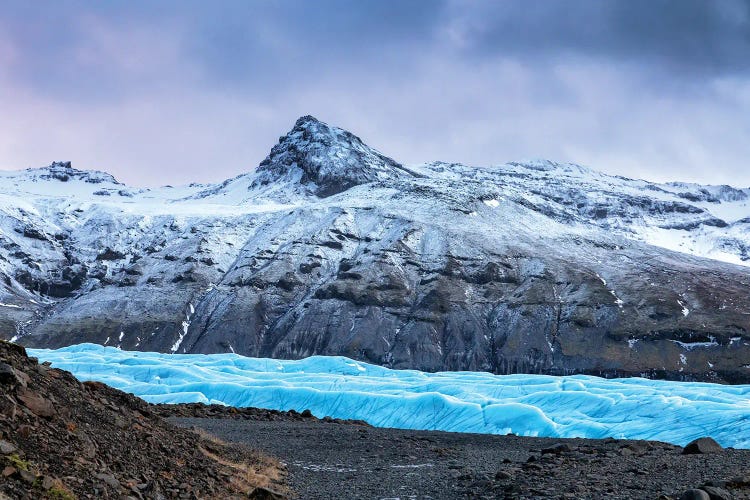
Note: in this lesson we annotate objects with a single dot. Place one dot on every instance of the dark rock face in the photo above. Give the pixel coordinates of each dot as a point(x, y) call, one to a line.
point(390, 304)
point(332, 248)
point(109, 254)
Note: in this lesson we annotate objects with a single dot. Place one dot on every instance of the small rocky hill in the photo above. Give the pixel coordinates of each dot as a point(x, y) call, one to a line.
point(62, 439)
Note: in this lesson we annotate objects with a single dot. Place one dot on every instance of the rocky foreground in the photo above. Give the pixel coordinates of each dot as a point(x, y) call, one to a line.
point(63, 439)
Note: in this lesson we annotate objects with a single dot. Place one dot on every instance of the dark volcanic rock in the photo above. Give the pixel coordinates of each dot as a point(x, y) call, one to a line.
point(199, 410)
point(702, 445)
point(37, 404)
point(717, 493)
point(109, 254)
point(557, 449)
point(695, 494)
point(7, 374)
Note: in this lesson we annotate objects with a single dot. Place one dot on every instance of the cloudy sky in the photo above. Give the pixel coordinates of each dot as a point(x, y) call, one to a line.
point(177, 91)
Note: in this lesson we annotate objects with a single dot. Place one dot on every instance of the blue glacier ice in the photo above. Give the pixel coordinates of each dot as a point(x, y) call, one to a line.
point(529, 405)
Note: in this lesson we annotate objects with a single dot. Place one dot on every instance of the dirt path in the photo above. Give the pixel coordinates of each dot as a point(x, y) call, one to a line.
point(334, 460)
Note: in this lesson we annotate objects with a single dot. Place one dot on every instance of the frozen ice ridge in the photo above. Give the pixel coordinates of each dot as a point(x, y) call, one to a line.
point(528, 405)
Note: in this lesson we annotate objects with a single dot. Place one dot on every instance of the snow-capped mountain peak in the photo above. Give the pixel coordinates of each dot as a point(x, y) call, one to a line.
point(325, 160)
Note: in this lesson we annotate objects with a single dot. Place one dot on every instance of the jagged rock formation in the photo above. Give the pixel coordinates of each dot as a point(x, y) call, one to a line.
point(329, 247)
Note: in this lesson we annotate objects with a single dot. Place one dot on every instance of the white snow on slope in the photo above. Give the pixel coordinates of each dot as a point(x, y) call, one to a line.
point(706, 221)
point(539, 199)
point(685, 310)
point(530, 405)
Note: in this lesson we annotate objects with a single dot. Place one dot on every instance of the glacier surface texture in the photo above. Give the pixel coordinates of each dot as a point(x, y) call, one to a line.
point(529, 405)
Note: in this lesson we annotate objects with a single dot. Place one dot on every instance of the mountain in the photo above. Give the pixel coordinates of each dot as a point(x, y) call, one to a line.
point(329, 247)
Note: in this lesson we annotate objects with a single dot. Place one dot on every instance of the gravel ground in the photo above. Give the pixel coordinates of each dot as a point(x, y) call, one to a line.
point(340, 460)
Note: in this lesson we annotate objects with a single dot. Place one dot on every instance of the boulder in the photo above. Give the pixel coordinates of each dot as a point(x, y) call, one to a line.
point(38, 405)
point(695, 494)
point(7, 374)
point(556, 449)
point(717, 493)
point(6, 448)
point(261, 493)
point(702, 445)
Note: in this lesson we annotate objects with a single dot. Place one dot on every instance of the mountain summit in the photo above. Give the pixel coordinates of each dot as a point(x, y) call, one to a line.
point(325, 160)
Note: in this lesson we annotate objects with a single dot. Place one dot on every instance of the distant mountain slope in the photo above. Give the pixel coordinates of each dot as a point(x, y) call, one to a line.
point(329, 247)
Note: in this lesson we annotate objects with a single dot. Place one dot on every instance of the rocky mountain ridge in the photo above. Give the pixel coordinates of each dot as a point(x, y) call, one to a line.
point(330, 247)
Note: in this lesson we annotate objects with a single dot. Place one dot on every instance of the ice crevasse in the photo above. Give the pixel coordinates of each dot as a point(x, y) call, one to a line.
point(527, 405)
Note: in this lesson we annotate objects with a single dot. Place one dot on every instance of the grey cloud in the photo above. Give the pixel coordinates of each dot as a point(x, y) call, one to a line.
point(687, 36)
point(288, 43)
point(251, 45)
point(179, 91)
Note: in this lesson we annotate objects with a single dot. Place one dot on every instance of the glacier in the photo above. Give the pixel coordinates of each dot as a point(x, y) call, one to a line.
point(476, 402)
